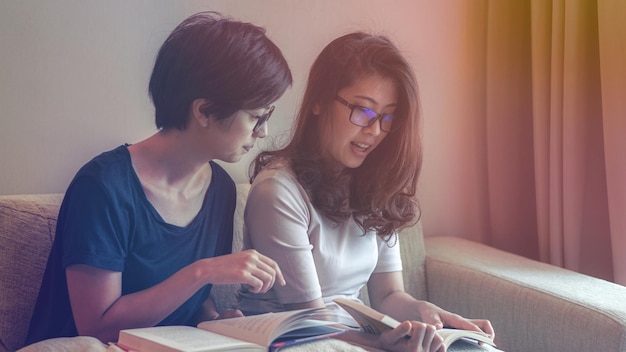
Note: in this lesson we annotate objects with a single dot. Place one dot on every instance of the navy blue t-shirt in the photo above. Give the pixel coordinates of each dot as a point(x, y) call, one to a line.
point(106, 221)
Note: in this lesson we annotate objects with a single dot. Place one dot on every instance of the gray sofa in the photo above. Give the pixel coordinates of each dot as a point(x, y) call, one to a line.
point(533, 306)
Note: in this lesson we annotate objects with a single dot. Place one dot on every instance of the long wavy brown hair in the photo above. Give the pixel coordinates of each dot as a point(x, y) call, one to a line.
point(381, 193)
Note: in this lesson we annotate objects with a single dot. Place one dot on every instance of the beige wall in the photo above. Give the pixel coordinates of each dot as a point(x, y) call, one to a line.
point(73, 78)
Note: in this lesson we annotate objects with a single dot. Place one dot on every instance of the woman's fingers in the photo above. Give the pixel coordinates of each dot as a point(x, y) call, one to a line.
point(230, 313)
point(249, 267)
point(426, 336)
point(485, 326)
point(413, 336)
point(262, 272)
point(275, 269)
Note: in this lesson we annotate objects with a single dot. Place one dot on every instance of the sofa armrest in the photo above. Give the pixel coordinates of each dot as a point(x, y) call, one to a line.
point(533, 306)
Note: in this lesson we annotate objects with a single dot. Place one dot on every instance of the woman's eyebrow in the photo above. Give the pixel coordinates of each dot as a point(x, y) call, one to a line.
point(373, 101)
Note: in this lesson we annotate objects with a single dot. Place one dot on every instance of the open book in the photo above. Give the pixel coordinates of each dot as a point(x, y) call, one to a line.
point(271, 331)
point(375, 322)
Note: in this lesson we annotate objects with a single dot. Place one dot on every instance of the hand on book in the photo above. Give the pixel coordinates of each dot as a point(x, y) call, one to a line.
point(390, 334)
point(431, 314)
point(412, 336)
point(230, 313)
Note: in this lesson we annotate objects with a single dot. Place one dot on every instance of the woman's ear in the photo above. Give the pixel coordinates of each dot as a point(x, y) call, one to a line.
point(200, 111)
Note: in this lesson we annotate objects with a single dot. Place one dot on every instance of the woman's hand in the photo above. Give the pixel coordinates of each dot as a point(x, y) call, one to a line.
point(230, 313)
point(209, 312)
point(248, 267)
point(431, 314)
point(412, 336)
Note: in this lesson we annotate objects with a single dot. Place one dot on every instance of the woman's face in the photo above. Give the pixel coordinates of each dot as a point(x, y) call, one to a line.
point(235, 136)
point(350, 144)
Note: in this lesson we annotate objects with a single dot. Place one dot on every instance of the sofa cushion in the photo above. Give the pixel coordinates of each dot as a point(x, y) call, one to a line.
point(70, 344)
point(27, 226)
point(413, 261)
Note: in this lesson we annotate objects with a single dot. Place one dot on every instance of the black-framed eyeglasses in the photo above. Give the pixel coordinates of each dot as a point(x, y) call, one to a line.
point(262, 119)
point(365, 117)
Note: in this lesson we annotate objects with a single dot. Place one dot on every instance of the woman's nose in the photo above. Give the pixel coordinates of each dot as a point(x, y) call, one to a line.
point(373, 129)
point(262, 131)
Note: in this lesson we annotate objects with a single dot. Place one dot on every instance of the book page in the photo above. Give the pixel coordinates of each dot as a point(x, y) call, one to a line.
point(464, 345)
point(178, 338)
point(451, 335)
point(261, 329)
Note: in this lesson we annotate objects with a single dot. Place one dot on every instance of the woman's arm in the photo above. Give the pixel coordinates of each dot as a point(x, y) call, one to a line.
point(100, 310)
point(387, 295)
point(209, 311)
point(277, 220)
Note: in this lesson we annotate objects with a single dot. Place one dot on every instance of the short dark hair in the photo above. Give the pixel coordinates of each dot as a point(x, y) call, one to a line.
point(232, 64)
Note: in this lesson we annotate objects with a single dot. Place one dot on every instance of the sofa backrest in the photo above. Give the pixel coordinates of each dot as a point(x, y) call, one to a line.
point(27, 227)
point(27, 224)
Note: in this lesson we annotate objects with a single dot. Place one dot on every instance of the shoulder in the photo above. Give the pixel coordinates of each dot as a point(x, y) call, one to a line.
point(278, 169)
point(221, 177)
point(108, 164)
point(277, 186)
point(108, 178)
point(222, 188)
point(277, 175)
point(110, 169)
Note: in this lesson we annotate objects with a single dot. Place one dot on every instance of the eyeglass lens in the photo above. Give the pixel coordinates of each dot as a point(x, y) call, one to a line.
point(365, 117)
point(262, 119)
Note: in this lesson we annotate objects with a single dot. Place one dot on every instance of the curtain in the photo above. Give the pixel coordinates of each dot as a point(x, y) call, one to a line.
point(555, 122)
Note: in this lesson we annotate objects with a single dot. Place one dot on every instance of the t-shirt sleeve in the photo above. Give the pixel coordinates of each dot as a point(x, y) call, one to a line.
point(276, 222)
point(92, 228)
point(389, 258)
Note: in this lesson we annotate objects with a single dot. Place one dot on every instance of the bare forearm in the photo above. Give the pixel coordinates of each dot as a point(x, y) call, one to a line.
point(144, 308)
point(400, 306)
point(101, 311)
point(387, 295)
